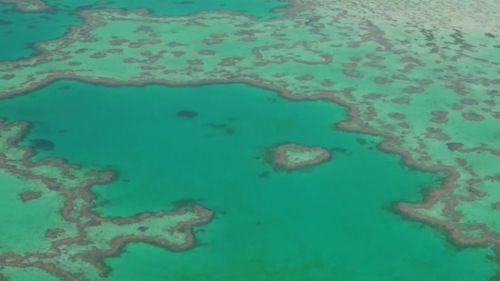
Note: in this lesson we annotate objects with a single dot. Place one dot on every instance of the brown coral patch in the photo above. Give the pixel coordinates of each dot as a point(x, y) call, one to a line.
point(469, 101)
point(454, 146)
point(439, 116)
point(7, 76)
point(230, 61)
point(403, 100)
point(30, 195)
point(397, 116)
point(472, 116)
point(327, 83)
point(382, 80)
point(207, 52)
point(54, 233)
point(98, 55)
point(436, 133)
point(178, 53)
point(305, 77)
point(413, 90)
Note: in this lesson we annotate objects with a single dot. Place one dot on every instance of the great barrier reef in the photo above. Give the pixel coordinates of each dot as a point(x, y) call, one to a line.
point(249, 140)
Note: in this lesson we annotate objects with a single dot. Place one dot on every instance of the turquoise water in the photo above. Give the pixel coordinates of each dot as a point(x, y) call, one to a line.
point(330, 222)
point(20, 31)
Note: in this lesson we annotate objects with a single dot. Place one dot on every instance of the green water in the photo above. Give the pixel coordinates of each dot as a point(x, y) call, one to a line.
point(30, 274)
point(20, 31)
point(330, 222)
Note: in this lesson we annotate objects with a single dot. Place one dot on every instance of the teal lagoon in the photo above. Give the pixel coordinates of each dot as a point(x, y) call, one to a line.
point(329, 222)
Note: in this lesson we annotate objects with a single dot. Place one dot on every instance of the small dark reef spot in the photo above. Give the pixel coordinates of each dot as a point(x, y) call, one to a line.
point(186, 114)
point(361, 141)
point(142, 228)
point(42, 144)
point(30, 195)
point(453, 146)
point(264, 174)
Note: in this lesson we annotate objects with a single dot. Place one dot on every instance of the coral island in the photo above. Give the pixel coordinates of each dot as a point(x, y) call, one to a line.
point(293, 156)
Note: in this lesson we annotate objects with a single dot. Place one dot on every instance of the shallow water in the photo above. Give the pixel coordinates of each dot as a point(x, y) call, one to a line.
point(329, 222)
point(20, 31)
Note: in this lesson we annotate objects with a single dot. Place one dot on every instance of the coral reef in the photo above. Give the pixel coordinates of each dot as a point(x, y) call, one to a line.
point(426, 84)
point(72, 241)
point(293, 156)
point(27, 5)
